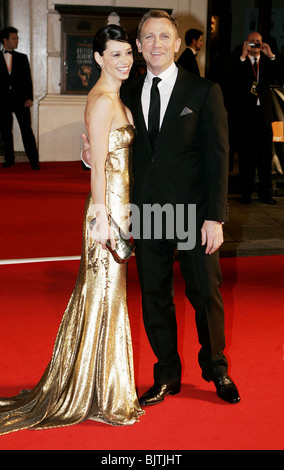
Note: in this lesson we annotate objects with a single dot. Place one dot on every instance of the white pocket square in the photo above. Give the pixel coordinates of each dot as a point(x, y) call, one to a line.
point(186, 111)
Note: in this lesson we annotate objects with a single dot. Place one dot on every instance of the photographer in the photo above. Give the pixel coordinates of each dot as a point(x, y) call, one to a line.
point(252, 108)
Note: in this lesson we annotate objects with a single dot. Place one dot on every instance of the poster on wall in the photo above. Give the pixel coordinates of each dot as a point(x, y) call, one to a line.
point(79, 63)
point(277, 29)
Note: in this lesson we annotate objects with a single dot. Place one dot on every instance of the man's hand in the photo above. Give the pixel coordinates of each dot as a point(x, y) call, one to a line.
point(86, 153)
point(245, 50)
point(28, 104)
point(265, 48)
point(211, 236)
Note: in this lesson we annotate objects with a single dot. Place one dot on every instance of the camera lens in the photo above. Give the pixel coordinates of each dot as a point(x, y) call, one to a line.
point(254, 45)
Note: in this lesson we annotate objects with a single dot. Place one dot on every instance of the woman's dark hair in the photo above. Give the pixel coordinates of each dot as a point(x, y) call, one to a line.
point(110, 32)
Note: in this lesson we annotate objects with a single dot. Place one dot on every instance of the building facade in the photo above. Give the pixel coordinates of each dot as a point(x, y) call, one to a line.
point(58, 111)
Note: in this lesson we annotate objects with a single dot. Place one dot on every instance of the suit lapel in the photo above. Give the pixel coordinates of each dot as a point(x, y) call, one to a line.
point(174, 108)
point(137, 111)
point(250, 69)
point(136, 104)
point(176, 102)
point(3, 64)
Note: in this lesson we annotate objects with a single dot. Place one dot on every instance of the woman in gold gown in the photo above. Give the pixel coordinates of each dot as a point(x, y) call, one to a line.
point(90, 374)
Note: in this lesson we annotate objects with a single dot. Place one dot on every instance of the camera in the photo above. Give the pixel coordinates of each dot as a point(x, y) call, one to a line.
point(254, 46)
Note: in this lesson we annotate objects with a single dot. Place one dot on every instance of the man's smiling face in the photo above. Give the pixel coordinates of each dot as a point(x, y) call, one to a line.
point(159, 43)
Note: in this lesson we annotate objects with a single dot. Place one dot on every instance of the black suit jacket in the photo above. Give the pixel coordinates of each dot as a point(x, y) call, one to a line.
point(16, 87)
point(242, 101)
point(188, 61)
point(189, 163)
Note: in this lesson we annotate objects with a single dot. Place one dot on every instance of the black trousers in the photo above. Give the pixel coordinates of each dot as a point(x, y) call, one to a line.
point(255, 151)
point(202, 277)
point(23, 116)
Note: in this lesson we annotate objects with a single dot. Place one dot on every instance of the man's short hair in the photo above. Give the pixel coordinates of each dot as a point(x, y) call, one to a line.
point(5, 33)
point(156, 14)
point(192, 34)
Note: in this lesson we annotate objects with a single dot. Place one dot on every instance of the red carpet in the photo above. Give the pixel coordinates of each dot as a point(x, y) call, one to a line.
point(33, 298)
point(41, 211)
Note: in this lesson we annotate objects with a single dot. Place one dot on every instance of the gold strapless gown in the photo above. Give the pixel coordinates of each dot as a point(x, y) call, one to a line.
point(90, 375)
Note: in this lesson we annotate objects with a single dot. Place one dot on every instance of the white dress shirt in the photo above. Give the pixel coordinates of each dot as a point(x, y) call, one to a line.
point(252, 59)
point(168, 79)
point(8, 60)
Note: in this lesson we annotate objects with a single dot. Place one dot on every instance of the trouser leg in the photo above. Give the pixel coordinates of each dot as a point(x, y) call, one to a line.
point(6, 127)
point(155, 268)
point(24, 119)
point(247, 162)
point(203, 278)
point(263, 141)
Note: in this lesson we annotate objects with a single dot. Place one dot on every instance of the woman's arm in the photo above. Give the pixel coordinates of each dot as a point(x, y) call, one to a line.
point(99, 116)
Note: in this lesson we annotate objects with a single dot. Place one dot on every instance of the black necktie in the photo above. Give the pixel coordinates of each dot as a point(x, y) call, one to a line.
point(154, 111)
point(255, 66)
point(8, 52)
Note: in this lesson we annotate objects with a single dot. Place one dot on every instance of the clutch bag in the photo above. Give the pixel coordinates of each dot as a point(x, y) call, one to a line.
point(123, 246)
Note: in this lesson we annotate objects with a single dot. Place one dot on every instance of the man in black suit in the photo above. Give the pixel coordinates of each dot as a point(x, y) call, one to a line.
point(185, 164)
point(16, 95)
point(193, 41)
point(252, 112)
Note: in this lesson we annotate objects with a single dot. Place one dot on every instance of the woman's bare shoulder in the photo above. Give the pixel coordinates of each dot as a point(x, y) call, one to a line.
point(100, 100)
point(99, 110)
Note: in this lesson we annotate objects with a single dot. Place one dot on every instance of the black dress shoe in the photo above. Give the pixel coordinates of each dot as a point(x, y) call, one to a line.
point(8, 164)
point(35, 167)
point(268, 200)
point(157, 393)
point(226, 389)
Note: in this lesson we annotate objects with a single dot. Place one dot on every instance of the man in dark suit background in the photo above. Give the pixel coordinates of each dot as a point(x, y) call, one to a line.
point(16, 96)
point(180, 160)
point(251, 108)
point(193, 41)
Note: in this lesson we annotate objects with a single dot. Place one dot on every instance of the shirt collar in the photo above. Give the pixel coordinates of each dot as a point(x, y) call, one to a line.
point(253, 57)
point(169, 75)
point(193, 51)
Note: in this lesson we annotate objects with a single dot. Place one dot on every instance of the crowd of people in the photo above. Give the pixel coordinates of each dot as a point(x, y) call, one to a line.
point(245, 78)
